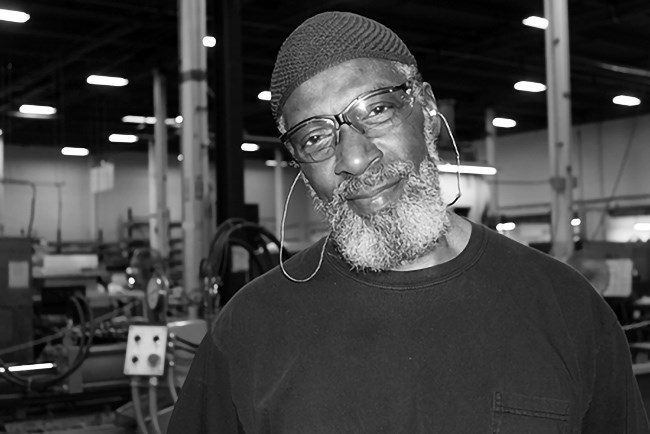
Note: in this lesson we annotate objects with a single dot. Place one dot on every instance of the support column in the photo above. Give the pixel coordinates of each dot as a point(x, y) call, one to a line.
point(2, 186)
point(559, 126)
point(229, 121)
point(160, 210)
point(194, 131)
point(490, 151)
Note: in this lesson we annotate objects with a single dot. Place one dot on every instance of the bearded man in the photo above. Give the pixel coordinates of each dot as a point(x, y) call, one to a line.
point(406, 318)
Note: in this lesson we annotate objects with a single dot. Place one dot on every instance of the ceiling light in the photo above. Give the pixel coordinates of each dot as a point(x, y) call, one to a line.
point(123, 138)
point(32, 367)
point(104, 80)
point(537, 22)
point(13, 16)
point(150, 120)
point(264, 95)
point(530, 86)
point(74, 152)
point(250, 147)
point(575, 222)
point(130, 119)
point(180, 157)
point(503, 122)
point(273, 163)
point(209, 41)
point(626, 100)
point(37, 109)
point(470, 170)
point(642, 227)
point(508, 226)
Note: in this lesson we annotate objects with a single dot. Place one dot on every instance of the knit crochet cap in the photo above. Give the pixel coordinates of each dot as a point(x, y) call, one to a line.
point(326, 40)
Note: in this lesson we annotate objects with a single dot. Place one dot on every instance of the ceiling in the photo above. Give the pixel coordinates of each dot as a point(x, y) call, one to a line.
point(472, 51)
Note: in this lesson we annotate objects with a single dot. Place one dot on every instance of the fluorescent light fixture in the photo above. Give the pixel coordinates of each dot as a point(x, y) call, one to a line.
point(130, 119)
point(626, 100)
point(503, 122)
point(209, 41)
point(537, 22)
point(30, 109)
point(150, 120)
point(508, 226)
point(273, 163)
point(250, 147)
point(32, 367)
point(123, 138)
point(575, 222)
point(642, 227)
point(13, 16)
point(470, 170)
point(264, 95)
point(530, 86)
point(74, 152)
point(104, 80)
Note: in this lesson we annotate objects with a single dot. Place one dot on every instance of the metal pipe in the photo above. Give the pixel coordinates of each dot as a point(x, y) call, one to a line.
point(192, 29)
point(559, 126)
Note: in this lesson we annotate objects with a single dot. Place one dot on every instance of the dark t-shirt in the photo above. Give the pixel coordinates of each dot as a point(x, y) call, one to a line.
point(501, 339)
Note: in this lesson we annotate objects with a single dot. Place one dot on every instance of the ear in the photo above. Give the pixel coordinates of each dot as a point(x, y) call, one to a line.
point(430, 104)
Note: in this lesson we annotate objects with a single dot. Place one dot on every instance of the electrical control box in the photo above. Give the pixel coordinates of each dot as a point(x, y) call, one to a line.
point(145, 350)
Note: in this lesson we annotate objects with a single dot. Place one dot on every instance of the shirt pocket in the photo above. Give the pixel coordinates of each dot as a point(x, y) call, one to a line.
point(513, 413)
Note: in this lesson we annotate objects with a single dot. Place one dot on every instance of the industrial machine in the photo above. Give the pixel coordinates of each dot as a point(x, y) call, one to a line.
point(73, 342)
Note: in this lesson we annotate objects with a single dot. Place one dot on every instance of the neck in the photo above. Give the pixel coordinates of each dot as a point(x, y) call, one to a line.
point(447, 249)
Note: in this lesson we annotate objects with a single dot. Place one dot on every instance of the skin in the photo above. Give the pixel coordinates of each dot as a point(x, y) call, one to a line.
point(329, 92)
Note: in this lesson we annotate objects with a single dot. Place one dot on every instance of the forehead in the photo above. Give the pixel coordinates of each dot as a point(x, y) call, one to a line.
point(330, 91)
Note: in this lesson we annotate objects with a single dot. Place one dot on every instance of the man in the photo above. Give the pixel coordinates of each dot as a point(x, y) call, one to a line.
point(406, 318)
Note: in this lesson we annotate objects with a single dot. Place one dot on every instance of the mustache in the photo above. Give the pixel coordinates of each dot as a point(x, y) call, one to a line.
point(377, 174)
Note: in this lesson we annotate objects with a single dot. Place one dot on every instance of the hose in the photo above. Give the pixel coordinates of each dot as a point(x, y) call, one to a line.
point(171, 382)
point(153, 405)
point(137, 407)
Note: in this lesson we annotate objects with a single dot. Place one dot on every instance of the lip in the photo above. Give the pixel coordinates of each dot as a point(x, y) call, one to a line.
point(371, 201)
point(372, 193)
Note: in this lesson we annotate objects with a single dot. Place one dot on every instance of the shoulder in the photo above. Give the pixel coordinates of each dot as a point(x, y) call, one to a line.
point(267, 302)
point(543, 284)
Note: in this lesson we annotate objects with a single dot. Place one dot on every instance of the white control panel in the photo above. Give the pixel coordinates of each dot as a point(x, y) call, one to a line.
point(145, 350)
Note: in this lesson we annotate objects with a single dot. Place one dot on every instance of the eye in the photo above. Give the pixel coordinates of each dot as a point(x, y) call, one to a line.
point(380, 112)
point(316, 139)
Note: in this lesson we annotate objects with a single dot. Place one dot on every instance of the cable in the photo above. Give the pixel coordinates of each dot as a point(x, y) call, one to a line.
point(47, 339)
point(171, 382)
point(628, 146)
point(153, 405)
point(84, 350)
point(185, 341)
point(137, 407)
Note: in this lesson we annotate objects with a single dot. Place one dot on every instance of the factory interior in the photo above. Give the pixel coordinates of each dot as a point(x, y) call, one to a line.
point(143, 182)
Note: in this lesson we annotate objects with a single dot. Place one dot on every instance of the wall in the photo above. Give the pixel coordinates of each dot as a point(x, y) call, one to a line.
point(599, 155)
point(609, 159)
point(46, 165)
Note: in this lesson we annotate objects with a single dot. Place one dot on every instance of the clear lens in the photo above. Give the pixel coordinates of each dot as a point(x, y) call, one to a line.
point(379, 111)
point(315, 139)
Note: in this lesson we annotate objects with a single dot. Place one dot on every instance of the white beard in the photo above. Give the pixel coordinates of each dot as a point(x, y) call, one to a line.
point(396, 235)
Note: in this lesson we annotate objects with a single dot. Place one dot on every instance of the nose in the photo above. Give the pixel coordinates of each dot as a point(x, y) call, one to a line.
point(355, 152)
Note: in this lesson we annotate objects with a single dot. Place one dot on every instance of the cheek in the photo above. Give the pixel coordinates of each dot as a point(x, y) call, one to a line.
point(322, 178)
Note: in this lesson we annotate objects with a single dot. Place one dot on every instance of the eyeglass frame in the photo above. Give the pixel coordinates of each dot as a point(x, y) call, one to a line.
point(340, 119)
